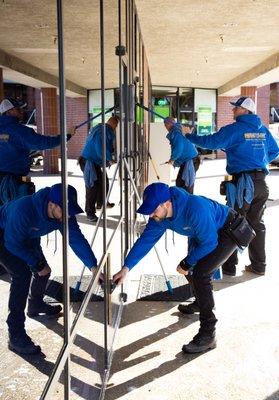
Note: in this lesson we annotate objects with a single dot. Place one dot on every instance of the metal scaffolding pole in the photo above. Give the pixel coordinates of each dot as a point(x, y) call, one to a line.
point(104, 180)
point(64, 173)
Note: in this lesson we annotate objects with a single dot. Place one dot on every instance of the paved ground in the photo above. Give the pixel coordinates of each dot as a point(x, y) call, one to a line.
point(148, 363)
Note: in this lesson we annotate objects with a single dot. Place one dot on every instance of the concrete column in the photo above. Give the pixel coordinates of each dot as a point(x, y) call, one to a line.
point(1, 85)
point(47, 124)
point(263, 103)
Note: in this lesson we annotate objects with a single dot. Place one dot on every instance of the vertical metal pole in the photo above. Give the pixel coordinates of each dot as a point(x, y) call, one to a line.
point(62, 108)
point(120, 123)
point(102, 67)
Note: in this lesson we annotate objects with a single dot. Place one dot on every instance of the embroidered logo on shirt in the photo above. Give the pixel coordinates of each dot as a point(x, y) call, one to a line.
point(4, 137)
point(186, 228)
point(254, 135)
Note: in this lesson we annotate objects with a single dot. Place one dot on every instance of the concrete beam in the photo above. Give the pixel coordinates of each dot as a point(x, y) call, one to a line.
point(266, 66)
point(16, 64)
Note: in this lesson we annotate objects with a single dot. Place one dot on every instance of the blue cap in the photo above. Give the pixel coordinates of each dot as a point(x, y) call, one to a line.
point(56, 193)
point(154, 195)
point(169, 120)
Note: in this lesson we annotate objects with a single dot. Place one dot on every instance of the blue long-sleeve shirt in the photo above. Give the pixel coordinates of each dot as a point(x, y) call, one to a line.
point(182, 150)
point(197, 217)
point(92, 149)
point(25, 220)
point(16, 142)
point(249, 145)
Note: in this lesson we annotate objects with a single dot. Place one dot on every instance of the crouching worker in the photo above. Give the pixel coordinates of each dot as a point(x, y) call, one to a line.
point(22, 222)
point(211, 228)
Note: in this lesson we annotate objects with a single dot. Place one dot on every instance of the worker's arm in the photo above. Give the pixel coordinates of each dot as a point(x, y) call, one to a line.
point(31, 140)
point(177, 147)
point(222, 139)
point(80, 245)
point(150, 236)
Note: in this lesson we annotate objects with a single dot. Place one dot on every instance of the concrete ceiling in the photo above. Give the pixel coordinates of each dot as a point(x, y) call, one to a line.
point(206, 44)
point(28, 33)
point(192, 43)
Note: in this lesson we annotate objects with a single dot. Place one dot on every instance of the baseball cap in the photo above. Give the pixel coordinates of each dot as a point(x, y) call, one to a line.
point(154, 195)
point(56, 193)
point(245, 102)
point(8, 104)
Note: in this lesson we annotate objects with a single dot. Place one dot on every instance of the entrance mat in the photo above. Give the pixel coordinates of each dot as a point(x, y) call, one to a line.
point(154, 288)
point(54, 290)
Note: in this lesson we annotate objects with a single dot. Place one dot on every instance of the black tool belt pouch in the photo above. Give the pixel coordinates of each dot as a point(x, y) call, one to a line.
point(240, 231)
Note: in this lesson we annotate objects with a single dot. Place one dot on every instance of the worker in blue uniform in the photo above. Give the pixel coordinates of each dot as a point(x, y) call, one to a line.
point(91, 162)
point(249, 147)
point(22, 222)
point(206, 223)
point(16, 143)
point(183, 155)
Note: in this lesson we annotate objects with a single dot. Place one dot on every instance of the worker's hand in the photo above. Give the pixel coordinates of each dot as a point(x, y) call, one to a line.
point(187, 130)
point(120, 276)
point(181, 270)
point(45, 271)
point(72, 131)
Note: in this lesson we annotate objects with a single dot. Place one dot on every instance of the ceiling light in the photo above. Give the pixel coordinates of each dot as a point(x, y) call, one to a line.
point(41, 26)
point(230, 24)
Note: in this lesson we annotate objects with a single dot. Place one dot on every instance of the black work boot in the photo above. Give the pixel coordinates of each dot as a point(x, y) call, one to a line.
point(200, 343)
point(231, 272)
point(23, 344)
point(250, 268)
point(43, 308)
point(191, 308)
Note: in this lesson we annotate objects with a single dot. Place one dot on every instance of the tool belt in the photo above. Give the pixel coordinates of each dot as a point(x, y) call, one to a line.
point(239, 230)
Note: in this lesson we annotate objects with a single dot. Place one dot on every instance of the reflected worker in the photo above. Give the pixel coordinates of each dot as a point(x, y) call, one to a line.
point(91, 163)
point(183, 155)
point(22, 223)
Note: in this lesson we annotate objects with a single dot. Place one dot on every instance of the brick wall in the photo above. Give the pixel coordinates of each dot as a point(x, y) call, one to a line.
point(224, 111)
point(76, 112)
point(263, 103)
point(248, 91)
point(274, 95)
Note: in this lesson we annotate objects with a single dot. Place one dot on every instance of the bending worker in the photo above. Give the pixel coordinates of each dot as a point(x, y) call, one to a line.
point(183, 154)
point(22, 222)
point(205, 222)
point(91, 161)
point(250, 147)
point(16, 143)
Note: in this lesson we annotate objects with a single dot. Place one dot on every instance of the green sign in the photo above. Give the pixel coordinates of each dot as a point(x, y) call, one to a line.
point(95, 111)
point(162, 110)
point(204, 120)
